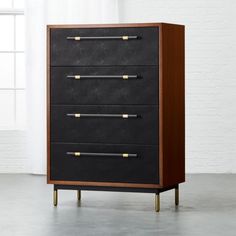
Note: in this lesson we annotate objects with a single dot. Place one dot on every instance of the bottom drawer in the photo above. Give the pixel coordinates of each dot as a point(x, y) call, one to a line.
point(104, 163)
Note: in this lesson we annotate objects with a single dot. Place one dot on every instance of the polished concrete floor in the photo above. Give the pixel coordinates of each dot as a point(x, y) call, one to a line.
point(207, 207)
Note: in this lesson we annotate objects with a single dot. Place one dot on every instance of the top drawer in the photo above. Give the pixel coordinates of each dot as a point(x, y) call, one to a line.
point(104, 46)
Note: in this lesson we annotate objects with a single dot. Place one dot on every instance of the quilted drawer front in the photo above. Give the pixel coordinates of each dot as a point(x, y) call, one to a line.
point(104, 124)
point(104, 163)
point(104, 85)
point(104, 46)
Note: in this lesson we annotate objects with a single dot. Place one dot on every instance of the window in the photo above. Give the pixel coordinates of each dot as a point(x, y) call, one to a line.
point(12, 65)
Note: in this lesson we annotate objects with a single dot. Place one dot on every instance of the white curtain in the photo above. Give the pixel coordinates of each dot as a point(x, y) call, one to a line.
point(39, 13)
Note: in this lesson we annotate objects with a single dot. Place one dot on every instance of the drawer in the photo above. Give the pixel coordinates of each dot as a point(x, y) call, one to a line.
point(104, 124)
point(104, 163)
point(104, 85)
point(104, 46)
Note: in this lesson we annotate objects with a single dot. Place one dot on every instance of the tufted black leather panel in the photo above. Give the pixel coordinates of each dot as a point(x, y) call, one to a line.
point(143, 51)
point(143, 130)
point(104, 90)
point(143, 169)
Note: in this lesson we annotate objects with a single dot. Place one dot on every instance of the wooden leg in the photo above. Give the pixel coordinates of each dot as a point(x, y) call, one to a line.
point(177, 195)
point(157, 202)
point(55, 197)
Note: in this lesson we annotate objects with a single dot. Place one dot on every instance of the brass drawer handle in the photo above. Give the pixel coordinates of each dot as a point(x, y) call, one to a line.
point(123, 37)
point(124, 77)
point(124, 116)
point(97, 154)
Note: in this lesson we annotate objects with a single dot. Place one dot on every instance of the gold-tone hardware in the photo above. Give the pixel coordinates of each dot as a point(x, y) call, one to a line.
point(55, 197)
point(77, 76)
point(77, 115)
point(125, 77)
point(77, 38)
point(125, 37)
point(79, 195)
point(177, 196)
point(125, 116)
point(77, 154)
point(125, 155)
point(157, 202)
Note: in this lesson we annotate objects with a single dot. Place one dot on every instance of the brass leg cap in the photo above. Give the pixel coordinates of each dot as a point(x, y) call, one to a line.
point(157, 202)
point(55, 197)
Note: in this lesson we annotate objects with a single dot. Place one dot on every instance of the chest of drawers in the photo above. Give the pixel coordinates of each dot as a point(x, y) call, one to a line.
point(115, 108)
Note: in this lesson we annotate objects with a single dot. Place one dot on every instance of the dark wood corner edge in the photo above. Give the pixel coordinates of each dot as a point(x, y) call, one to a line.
point(48, 101)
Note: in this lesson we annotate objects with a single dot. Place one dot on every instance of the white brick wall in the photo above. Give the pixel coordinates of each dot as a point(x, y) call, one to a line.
point(210, 82)
point(210, 75)
point(13, 157)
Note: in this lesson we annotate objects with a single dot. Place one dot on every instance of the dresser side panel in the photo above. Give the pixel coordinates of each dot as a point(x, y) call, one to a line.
point(172, 105)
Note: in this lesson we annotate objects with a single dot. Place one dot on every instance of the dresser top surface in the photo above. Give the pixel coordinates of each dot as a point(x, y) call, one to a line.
point(154, 24)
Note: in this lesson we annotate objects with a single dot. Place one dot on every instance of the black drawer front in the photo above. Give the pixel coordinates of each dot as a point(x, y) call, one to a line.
point(140, 169)
point(104, 90)
point(112, 128)
point(104, 52)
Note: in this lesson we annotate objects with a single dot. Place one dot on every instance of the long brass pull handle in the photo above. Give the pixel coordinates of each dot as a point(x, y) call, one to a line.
point(125, 77)
point(97, 154)
point(124, 116)
point(123, 37)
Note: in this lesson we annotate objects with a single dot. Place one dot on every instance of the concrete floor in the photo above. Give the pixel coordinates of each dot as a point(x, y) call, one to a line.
point(207, 207)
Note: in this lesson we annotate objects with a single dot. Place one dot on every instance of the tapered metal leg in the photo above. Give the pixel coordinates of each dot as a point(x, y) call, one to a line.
point(157, 202)
point(177, 195)
point(55, 197)
point(79, 195)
